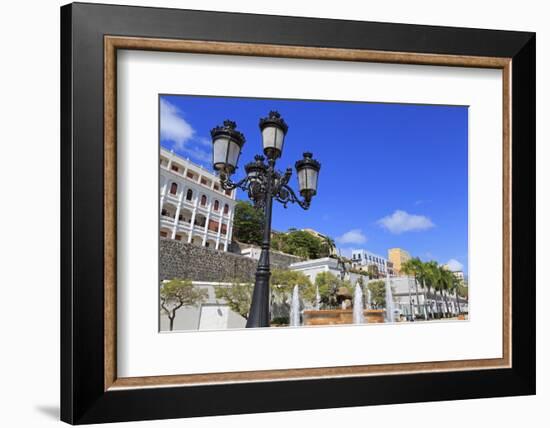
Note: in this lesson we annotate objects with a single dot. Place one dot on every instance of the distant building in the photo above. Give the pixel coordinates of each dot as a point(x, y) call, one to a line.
point(459, 274)
point(193, 206)
point(362, 259)
point(278, 259)
point(312, 268)
point(398, 256)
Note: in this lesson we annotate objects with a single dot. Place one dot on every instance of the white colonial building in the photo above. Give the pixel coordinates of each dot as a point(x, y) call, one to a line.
point(362, 259)
point(193, 206)
point(312, 268)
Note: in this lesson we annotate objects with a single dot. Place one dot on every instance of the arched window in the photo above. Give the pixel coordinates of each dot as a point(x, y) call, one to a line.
point(189, 195)
point(173, 188)
point(203, 200)
point(216, 205)
point(226, 209)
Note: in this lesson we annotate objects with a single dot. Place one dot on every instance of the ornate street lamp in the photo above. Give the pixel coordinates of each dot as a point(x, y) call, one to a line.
point(228, 143)
point(263, 183)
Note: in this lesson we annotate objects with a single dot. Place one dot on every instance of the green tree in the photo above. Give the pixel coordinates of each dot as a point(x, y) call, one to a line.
point(283, 282)
point(414, 267)
point(372, 271)
point(327, 246)
point(177, 293)
point(277, 241)
point(237, 295)
point(248, 223)
point(378, 292)
point(302, 244)
point(328, 285)
point(446, 278)
point(432, 275)
point(455, 288)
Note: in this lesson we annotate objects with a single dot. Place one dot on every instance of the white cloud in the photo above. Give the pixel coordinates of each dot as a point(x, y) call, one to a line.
point(454, 265)
point(401, 221)
point(173, 127)
point(354, 236)
point(198, 154)
point(203, 141)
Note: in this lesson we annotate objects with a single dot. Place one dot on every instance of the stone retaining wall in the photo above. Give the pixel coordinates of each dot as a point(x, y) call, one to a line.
point(182, 260)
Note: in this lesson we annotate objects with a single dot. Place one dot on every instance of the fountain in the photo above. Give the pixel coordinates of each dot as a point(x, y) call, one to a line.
point(295, 308)
point(389, 301)
point(369, 298)
point(358, 316)
point(317, 298)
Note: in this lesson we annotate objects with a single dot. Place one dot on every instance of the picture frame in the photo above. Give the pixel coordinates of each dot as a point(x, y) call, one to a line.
point(91, 391)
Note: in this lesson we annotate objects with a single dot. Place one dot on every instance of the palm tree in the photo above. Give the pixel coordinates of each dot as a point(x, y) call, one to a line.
point(328, 244)
point(413, 267)
point(432, 278)
point(421, 276)
point(455, 287)
point(446, 284)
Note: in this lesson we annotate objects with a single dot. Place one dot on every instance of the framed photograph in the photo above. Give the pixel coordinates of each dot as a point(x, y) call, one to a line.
point(265, 213)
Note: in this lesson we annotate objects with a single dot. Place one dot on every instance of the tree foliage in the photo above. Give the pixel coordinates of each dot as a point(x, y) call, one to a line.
point(378, 292)
point(437, 279)
point(302, 244)
point(283, 282)
point(177, 293)
point(372, 271)
point(248, 223)
point(331, 288)
point(237, 295)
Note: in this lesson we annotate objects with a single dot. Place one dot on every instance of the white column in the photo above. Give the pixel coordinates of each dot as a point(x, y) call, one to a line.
point(163, 194)
point(219, 233)
point(176, 218)
point(209, 209)
point(192, 228)
point(229, 231)
point(229, 224)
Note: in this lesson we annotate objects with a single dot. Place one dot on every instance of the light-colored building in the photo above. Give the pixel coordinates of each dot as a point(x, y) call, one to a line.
point(398, 256)
point(362, 259)
point(278, 258)
point(459, 274)
point(193, 206)
point(312, 268)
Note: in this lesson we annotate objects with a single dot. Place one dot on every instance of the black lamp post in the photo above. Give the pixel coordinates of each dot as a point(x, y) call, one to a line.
point(263, 183)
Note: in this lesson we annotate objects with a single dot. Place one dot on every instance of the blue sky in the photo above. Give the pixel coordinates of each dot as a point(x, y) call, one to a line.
point(392, 175)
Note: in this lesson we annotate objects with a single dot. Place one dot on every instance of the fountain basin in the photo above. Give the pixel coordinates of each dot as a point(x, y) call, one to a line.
point(340, 316)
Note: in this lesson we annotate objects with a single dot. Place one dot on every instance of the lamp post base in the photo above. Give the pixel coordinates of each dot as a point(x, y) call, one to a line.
point(259, 309)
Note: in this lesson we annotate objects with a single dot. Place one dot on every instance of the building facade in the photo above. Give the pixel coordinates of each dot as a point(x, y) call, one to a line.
point(193, 206)
point(312, 268)
point(398, 256)
point(459, 274)
point(362, 259)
